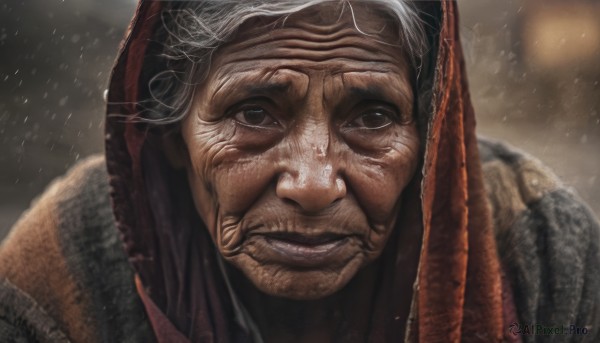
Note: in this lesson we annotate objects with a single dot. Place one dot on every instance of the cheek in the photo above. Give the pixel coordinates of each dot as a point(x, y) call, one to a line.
point(225, 180)
point(239, 181)
point(378, 181)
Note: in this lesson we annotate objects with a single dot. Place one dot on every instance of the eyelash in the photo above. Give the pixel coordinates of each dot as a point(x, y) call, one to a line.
point(376, 106)
point(257, 103)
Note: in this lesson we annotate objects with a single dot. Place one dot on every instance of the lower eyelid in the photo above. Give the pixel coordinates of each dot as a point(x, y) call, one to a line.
point(275, 124)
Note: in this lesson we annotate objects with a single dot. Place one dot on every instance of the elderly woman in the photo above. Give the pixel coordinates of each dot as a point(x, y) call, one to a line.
point(299, 171)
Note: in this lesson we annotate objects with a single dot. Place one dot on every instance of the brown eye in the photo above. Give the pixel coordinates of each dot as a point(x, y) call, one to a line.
point(371, 120)
point(255, 116)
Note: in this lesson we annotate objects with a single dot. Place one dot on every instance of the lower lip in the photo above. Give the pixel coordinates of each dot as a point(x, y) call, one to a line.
point(305, 256)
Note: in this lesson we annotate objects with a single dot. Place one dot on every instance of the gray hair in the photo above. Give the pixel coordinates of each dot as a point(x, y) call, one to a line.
point(192, 31)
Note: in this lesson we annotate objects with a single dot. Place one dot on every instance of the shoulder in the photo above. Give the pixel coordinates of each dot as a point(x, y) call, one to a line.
point(65, 255)
point(547, 238)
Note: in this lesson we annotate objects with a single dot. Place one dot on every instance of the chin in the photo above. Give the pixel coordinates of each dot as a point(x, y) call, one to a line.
point(297, 283)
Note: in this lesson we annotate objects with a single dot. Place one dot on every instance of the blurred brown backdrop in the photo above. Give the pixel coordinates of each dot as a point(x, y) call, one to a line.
point(534, 72)
point(533, 68)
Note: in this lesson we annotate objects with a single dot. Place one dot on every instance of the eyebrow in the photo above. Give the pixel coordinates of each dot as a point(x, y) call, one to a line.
point(249, 85)
point(370, 92)
point(379, 93)
point(385, 86)
point(268, 87)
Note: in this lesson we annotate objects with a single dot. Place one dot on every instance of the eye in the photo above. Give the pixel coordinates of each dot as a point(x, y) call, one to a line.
point(371, 120)
point(255, 116)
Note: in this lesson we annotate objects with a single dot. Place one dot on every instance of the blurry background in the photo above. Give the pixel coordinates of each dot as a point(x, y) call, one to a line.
point(533, 66)
point(55, 60)
point(534, 72)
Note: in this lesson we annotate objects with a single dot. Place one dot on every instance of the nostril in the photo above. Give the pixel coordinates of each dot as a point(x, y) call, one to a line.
point(304, 208)
point(290, 202)
point(311, 194)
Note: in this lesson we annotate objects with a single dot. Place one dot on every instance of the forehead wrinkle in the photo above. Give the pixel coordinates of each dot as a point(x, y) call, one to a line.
point(340, 58)
point(299, 54)
point(356, 41)
point(249, 40)
point(297, 44)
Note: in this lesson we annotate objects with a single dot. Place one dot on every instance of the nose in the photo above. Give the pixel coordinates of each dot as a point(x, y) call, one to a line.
point(311, 186)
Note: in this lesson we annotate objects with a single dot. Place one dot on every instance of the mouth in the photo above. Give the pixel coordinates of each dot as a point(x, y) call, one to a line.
point(304, 251)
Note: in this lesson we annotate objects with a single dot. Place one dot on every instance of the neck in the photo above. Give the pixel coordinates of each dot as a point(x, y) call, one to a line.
point(343, 316)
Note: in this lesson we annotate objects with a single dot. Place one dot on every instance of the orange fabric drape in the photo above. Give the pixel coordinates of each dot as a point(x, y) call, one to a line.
point(459, 287)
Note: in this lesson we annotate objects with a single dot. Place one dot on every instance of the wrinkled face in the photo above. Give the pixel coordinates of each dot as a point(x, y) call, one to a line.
point(300, 144)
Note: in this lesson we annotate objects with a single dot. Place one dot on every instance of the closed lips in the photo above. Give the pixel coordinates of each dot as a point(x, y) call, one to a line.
point(301, 251)
point(306, 240)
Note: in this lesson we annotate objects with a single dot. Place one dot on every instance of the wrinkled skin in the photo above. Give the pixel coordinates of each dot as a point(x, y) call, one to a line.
point(301, 142)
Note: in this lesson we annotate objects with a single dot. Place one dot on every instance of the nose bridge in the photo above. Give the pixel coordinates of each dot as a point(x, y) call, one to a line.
point(312, 165)
point(315, 139)
point(311, 177)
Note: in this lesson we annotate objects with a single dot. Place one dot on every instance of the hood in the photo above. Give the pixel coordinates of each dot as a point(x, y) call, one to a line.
point(458, 289)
